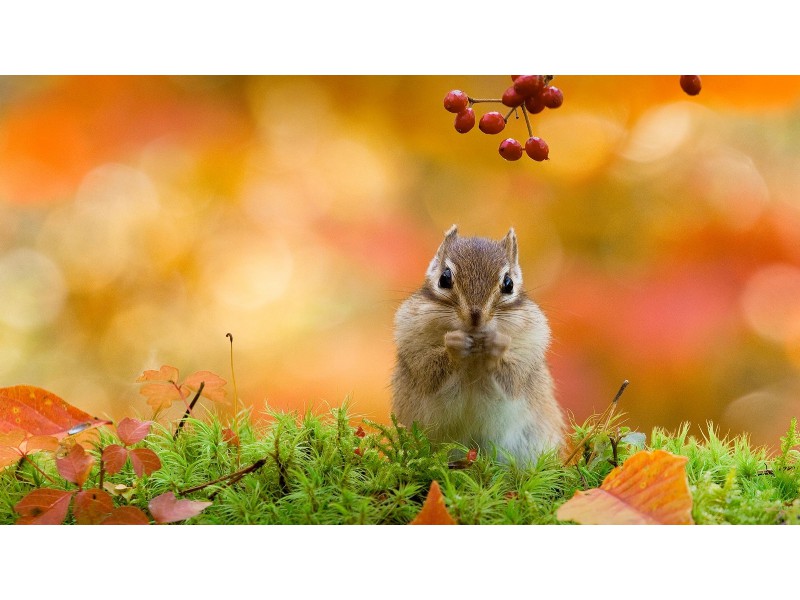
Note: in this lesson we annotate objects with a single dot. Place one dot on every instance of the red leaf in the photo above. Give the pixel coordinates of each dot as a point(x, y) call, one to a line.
point(230, 437)
point(92, 506)
point(434, 510)
point(360, 432)
point(131, 431)
point(144, 461)
point(114, 458)
point(40, 412)
point(126, 515)
point(47, 443)
point(472, 455)
point(76, 465)
point(168, 509)
point(44, 506)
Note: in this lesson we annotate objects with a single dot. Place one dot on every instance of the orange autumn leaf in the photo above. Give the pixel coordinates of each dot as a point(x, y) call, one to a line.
point(162, 387)
point(40, 412)
point(650, 488)
point(434, 511)
point(17, 444)
point(213, 388)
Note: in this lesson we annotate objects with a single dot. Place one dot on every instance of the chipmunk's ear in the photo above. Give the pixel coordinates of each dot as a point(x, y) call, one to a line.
point(509, 243)
point(449, 236)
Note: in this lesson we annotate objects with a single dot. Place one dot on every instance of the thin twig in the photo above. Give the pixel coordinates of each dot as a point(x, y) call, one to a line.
point(605, 415)
point(235, 405)
point(477, 100)
point(35, 466)
point(189, 409)
point(232, 477)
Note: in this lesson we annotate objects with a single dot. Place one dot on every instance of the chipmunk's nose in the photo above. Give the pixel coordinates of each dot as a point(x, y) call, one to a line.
point(475, 316)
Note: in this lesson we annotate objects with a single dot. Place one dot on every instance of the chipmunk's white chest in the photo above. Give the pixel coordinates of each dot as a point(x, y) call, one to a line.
point(473, 409)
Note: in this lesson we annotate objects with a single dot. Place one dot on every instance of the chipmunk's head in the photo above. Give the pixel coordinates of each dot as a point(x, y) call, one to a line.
point(477, 277)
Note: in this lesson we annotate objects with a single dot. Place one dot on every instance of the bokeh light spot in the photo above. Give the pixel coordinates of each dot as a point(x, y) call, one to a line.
point(32, 289)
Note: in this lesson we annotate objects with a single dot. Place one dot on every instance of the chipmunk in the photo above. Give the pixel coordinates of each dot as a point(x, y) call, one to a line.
point(471, 353)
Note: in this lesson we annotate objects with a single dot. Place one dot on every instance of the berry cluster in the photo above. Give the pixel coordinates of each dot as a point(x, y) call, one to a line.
point(528, 93)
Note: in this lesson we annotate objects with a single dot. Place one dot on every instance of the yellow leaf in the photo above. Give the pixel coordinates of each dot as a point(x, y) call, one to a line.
point(651, 488)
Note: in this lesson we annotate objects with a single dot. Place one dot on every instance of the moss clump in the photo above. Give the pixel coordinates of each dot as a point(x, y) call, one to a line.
point(318, 470)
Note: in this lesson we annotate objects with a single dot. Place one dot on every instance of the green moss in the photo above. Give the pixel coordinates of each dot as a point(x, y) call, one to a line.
point(316, 470)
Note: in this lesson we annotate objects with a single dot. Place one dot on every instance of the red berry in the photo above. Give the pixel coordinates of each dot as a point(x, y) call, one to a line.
point(690, 84)
point(465, 120)
point(552, 97)
point(510, 149)
point(512, 98)
point(358, 451)
point(514, 77)
point(492, 122)
point(456, 101)
point(534, 104)
point(529, 85)
point(472, 455)
point(537, 148)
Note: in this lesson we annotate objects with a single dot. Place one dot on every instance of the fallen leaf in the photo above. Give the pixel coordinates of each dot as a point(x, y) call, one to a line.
point(44, 506)
point(144, 461)
point(650, 488)
point(114, 458)
point(40, 412)
point(75, 467)
point(168, 509)
point(119, 490)
point(126, 515)
point(434, 511)
point(92, 506)
point(131, 431)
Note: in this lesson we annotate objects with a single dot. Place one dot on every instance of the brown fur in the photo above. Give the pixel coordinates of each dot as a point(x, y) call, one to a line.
point(471, 360)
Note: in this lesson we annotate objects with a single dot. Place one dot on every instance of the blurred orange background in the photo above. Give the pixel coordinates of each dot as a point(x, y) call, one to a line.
point(143, 218)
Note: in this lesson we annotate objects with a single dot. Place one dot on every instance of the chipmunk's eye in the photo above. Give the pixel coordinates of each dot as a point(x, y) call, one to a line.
point(508, 285)
point(446, 280)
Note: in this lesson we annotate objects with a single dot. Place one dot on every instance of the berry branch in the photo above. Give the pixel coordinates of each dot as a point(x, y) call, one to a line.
point(532, 93)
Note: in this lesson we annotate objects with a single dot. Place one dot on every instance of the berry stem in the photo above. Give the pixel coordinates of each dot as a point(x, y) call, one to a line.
point(527, 121)
point(477, 100)
point(513, 110)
